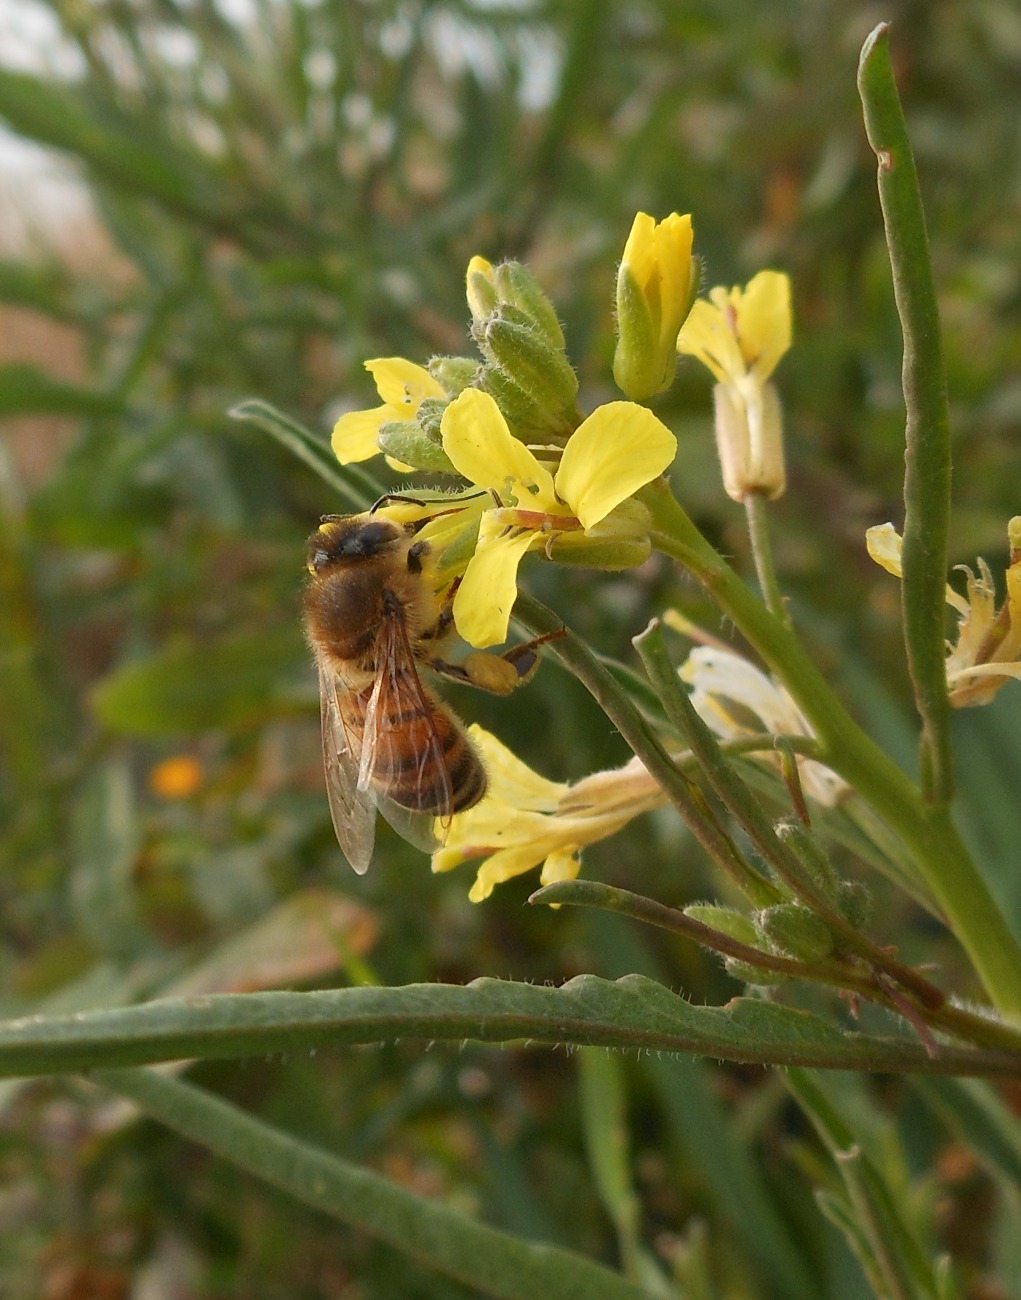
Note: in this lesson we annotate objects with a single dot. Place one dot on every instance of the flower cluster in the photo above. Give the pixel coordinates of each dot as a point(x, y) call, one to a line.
point(546, 478)
point(537, 474)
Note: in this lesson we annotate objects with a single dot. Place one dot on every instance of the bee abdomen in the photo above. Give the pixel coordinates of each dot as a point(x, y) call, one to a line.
point(428, 764)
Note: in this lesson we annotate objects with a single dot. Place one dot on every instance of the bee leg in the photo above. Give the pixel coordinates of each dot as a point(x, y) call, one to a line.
point(498, 673)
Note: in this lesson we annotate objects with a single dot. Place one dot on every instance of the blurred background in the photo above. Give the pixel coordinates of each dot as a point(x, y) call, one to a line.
point(204, 201)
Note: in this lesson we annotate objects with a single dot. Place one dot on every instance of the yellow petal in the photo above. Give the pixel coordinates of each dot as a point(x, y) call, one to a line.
point(483, 449)
point(505, 865)
point(513, 780)
point(617, 450)
point(480, 287)
point(638, 248)
point(355, 435)
point(402, 384)
point(485, 598)
point(884, 545)
point(708, 334)
point(764, 321)
point(673, 240)
point(562, 864)
point(1010, 646)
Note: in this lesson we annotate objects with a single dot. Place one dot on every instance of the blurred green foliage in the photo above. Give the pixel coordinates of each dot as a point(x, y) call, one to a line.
point(281, 190)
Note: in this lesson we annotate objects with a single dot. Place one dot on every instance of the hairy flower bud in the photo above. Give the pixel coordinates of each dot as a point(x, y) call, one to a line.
point(793, 931)
point(530, 378)
point(655, 290)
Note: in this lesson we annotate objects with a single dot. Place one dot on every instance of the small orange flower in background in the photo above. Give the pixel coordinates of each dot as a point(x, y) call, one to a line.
point(177, 777)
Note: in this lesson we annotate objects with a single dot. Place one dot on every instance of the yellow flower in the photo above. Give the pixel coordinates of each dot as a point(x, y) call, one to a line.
point(654, 292)
point(526, 820)
point(741, 334)
point(731, 696)
point(618, 449)
point(402, 385)
point(988, 639)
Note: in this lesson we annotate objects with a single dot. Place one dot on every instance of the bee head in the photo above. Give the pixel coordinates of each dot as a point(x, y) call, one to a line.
point(350, 537)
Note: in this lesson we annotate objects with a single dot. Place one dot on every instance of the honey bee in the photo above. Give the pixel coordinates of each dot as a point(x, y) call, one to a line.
point(371, 617)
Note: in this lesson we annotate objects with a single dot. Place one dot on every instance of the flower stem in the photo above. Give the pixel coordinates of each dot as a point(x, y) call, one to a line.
point(757, 515)
point(940, 856)
point(679, 788)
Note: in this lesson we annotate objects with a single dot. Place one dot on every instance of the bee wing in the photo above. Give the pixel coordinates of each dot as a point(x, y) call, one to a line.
point(353, 809)
point(402, 743)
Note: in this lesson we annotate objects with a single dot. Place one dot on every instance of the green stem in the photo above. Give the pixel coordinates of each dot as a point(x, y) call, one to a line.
point(927, 1001)
point(927, 428)
point(622, 712)
point(757, 515)
point(939, 854)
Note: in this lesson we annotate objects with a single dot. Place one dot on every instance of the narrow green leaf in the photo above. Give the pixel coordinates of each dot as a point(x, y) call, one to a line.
point(633, 1012)
point(353, 483)
point(474, 1253)
point(604, 1117)
point(872, 1215)
point(190, 686)
point(927, 430)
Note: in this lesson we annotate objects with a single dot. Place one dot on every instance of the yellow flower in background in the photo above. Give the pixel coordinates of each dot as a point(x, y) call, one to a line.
point(618, 449)
point(654, 293)
point(740, 332)
point(988, 639)
point(403, 386)
point(736, 699)
point(526, 821)
point(740, 335)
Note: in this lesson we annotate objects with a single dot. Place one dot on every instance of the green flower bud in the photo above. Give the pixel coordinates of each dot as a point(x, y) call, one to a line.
point(539, 369)
point(793, 931)
point(527, 420)
point(454, 373)
point(810, 855)
point(406, 441)
point(748, 974)
point(725, 919)
point(516, 286)
point(532, 382)
point(854, 902)
point(656, 284)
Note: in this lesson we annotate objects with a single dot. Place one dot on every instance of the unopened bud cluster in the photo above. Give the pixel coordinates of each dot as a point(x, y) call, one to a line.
point(789, 927)
point(525, 366)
